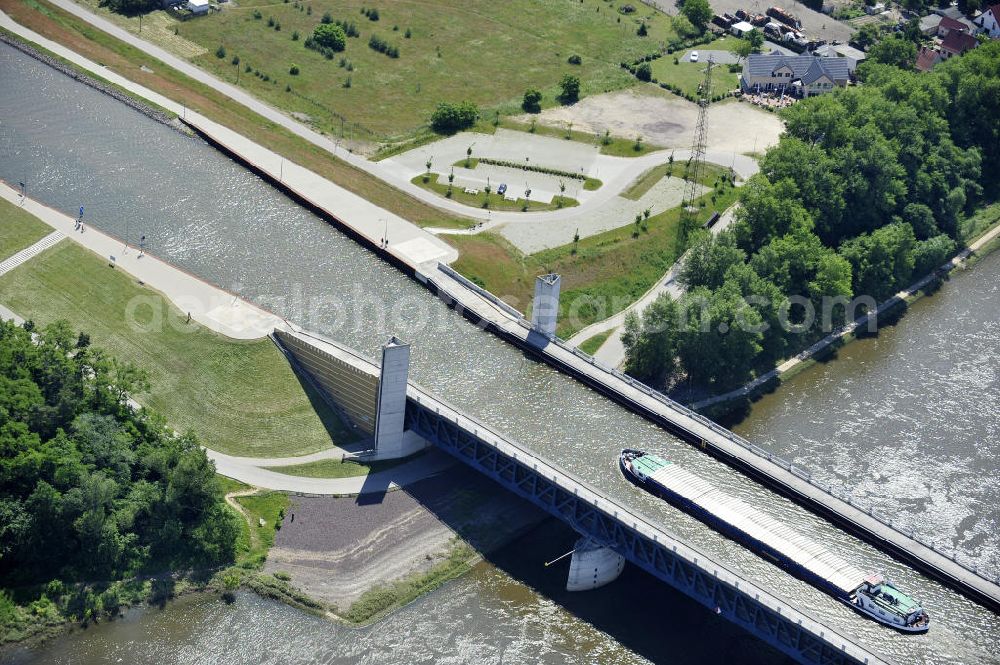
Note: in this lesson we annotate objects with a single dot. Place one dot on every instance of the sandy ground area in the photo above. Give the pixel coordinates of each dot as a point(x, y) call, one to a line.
point(666, 120)
point(337, 548)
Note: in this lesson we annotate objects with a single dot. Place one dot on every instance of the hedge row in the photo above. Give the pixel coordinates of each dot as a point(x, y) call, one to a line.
point(531, 167)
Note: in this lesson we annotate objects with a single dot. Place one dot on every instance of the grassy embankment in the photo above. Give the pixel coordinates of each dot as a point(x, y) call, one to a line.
point(972, 227)
point(240, 397)
point(709, 175)
point(519, 44)
point(592, 344)
point(131, 63)
point(601, 274)
point(689, 75)
point(19, 230)
point(334, 468)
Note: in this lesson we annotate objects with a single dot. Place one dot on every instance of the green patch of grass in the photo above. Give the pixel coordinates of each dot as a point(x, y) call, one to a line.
point(389, 97)
point(689, 75)
point(592, 344)
point(708, 177)
point(379, 601)
point(334, 468)
point(19, 230)
point(227, 485)
point(979, 222)
point(615, 146)
point(267, 506)
point(240, 397)
point(492, 201)
point(601, 274)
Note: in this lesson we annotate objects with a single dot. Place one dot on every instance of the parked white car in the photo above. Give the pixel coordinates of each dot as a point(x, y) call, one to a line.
point(694, 56)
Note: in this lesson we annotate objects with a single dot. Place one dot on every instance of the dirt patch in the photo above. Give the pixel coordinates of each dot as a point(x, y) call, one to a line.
point(666, 120)
point(335, 549)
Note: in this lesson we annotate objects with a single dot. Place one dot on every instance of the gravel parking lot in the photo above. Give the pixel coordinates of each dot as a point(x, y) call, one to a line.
point(815, 24)
point(667, 120)
point(337, 548)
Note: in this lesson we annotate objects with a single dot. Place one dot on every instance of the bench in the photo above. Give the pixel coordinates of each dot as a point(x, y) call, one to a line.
point(469, 190)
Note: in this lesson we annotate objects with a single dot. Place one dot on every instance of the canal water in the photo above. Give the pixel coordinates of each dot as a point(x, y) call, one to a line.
point(74, 146)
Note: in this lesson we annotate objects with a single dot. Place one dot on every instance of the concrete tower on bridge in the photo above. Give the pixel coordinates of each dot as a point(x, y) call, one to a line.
point(545, 306)
point(391, 406)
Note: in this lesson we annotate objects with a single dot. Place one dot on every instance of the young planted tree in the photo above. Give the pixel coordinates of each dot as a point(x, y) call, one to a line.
point(570, 86)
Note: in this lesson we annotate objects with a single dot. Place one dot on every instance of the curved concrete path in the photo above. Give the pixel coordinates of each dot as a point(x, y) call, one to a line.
point(389, 170)
point(250, 470)
point(612, 351)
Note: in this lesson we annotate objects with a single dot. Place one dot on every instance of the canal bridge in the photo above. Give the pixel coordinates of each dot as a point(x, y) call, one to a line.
point(401, 416)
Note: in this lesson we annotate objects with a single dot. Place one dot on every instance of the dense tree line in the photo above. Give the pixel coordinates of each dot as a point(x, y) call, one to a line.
point(91, 489)
point(864, 192)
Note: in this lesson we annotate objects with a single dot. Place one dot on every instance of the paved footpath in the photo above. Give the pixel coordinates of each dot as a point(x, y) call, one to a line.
point(407, 240)
point(208, 305)
point(28, 252)
point(807, 354)
point(234, 317)
point(612, 351)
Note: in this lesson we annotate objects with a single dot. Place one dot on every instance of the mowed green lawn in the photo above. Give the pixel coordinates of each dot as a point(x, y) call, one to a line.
point(485, 52)
point(601, 275)
point(19, 230)
point(240, 397)
point(689, 75)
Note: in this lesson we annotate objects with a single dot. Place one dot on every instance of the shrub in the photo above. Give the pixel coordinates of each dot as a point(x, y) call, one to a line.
point(532, 102)
point(642, 31)
point(327, 19)
point(330, 36)
point(295, 35)
point(408, 33)
point(350, 28)
point(575, 60)
point(570, 89)
point(294, 70)
point(644, 72)
point(236, 60)
point(220, 52)
point(257, 15)
point(449, 118)
point(347, 83)
point(378, 44)
point(270, 21)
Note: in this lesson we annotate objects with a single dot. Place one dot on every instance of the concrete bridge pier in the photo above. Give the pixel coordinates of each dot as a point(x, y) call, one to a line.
point(545, 306)
point(593, 565)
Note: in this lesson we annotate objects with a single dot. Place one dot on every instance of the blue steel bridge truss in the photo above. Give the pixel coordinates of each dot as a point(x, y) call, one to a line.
point(656, 558)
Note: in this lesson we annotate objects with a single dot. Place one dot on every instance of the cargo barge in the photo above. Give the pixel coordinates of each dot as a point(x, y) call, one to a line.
point(870, 594)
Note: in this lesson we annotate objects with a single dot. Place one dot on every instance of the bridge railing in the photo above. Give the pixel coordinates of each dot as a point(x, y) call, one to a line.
point(803, 474)
point(734, 438)
point(572, 483)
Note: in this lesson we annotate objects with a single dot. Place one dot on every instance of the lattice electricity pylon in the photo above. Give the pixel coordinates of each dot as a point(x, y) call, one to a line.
point(689, 211)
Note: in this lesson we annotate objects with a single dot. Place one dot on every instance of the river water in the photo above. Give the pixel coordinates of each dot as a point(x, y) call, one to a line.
point(74, 146)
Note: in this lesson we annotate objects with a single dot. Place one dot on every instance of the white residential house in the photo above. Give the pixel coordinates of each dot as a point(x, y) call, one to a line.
point(197, 6)
point(989, 22)
point(799, 75)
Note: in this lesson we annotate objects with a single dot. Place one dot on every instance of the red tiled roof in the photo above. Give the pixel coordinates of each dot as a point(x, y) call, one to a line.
point(950, 24)
point(958, 42)
point(995, 9)
point(926, 59)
